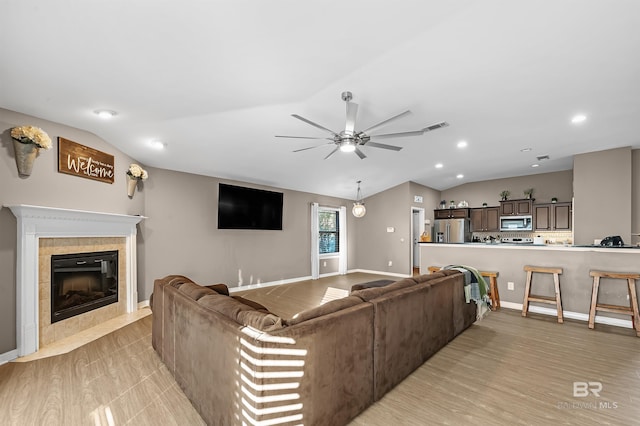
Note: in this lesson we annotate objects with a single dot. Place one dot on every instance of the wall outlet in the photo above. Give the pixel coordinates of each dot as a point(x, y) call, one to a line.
point(510, 285)
point(390, 263)
point(324, 264)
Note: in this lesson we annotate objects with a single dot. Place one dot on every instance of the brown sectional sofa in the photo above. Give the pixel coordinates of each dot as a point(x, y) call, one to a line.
point(239, 363)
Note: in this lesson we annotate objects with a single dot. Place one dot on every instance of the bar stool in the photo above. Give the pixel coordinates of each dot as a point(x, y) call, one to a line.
point(493, 293)
point(554, 300)
point(632, 309)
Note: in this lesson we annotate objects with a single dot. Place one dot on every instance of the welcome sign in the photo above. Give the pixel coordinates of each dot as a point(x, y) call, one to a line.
point(80, 160)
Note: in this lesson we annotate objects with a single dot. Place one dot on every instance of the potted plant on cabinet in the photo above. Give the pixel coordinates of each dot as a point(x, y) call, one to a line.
point(504, 195)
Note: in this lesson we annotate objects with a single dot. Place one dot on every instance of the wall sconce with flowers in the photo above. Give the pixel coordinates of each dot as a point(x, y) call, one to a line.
point(134, 174)
point(27, 142)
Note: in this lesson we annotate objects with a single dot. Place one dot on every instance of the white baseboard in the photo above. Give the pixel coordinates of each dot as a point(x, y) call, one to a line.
point(569, 314)
point(367, 271)
point(268, 284)
point(8, 356)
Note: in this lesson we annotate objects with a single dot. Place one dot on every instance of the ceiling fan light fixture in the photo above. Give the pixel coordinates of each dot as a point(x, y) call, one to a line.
point(359, 210)
point(347, 146)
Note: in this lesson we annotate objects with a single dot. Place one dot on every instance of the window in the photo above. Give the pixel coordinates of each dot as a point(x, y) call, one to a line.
point(329, 227)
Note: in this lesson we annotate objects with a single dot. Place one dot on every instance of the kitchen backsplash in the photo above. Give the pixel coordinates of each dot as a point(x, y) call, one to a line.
point(549, 237)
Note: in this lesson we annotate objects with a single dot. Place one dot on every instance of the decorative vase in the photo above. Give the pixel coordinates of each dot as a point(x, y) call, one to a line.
point(131, 185)
point(25, 156)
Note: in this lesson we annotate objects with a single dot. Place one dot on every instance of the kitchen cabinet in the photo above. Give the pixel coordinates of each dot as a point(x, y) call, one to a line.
point(553, 217)
point(485, 219)
point(516, 207)
point(451, 214)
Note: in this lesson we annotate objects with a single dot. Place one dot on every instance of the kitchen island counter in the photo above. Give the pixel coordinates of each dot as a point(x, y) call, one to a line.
point(508, 259)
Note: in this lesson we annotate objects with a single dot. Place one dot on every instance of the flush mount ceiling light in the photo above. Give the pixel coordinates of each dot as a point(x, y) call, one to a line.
point(535, 165)
point(358, 209)
point(105, 113)
point(578, 118)
point(156, 144)
point(525, 150)
point(460, 176)
point(439, 166)
point(462, 144)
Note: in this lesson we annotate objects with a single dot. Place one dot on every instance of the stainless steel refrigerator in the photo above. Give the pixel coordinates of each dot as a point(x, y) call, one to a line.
point(451, 230)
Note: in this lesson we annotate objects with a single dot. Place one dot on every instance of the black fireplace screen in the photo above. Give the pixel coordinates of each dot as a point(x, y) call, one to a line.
point(81, 282)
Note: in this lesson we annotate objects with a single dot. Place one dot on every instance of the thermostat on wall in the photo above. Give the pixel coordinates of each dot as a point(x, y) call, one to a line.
point(391, 229)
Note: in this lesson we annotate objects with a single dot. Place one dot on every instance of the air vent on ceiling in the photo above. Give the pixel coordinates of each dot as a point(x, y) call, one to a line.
point(543, 157)
point(435, 126)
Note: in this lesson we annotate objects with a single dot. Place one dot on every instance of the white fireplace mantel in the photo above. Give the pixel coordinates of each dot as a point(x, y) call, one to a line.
point(35, 222)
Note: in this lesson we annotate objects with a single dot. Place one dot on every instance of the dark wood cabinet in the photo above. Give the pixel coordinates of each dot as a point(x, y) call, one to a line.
point(553, 217)
point(485, 219)
point(516, 207)
point(451, 214)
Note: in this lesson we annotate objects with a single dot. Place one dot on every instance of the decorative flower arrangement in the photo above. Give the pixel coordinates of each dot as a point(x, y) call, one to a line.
point(137, 172)
point(31, 135)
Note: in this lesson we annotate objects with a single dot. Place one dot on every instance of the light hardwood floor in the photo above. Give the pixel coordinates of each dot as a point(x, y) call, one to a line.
point(504, 370)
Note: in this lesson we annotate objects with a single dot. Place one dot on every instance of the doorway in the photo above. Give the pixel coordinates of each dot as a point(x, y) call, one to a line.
point(417, 228)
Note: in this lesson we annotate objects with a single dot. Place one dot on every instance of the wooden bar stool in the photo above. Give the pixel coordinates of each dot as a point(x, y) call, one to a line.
point(554, 300)
point(493, 293)
point(632, 309)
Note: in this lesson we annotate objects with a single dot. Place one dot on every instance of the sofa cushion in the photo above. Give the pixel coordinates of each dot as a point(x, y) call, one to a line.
point(370, 284)
point(440, 273)
point(368, 294)
point(195, 291)
point(219, 288)
point(260, 320)
point(241, 313)
point(254, 305)
point(327, 308)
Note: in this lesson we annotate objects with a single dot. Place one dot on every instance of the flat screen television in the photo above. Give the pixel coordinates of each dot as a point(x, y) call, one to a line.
point(248, 208)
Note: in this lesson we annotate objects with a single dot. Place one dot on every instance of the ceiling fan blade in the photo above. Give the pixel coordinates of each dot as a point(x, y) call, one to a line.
point(398, 135)
point(331, 153)
point(300, 137)
point(360, 154)
point(435, 126)
point(314, 124)
point(311, 147)
point(352, 112)
point(388, 120)
point(383, 146)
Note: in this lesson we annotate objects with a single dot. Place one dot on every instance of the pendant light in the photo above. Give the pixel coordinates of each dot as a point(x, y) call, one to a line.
point(358, 207)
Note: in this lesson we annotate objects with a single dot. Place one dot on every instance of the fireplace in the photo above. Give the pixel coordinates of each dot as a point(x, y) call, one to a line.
point(46, 231)
point(82, 282)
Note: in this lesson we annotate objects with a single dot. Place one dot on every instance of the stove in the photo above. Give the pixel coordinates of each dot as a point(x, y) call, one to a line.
point(525, 240)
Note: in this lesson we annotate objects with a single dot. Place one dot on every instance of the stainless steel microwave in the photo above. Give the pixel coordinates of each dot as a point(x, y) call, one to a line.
point(516, 223)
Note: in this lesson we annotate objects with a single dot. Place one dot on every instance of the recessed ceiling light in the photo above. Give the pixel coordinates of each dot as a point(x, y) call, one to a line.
point(105, 113)
point(460, 176)
point(577, 119)
point(535, 165)
point(156, 144)
point(462, 144)
point(439, 166)
point(525, 150)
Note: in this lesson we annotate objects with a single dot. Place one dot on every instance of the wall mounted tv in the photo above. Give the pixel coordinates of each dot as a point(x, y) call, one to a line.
point(248, 208)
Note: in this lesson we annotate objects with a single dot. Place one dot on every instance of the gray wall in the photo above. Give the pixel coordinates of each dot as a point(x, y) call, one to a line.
point(181, 235)
point(602, 190)
point(47, 187)
point(391, 208)
point(545, 185)
point(635, 195)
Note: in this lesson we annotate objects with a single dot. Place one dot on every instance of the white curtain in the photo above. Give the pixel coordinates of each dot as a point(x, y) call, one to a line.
point(342, 261)
point(315, 246)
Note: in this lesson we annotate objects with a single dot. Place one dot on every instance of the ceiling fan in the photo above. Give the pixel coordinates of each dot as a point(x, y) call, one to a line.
point(349, 140)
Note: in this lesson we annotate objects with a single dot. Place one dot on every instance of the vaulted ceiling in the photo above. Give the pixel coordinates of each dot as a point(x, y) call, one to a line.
point(216, 81)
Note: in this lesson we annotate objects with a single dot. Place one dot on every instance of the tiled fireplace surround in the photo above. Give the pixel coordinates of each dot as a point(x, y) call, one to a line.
point(43, 231)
